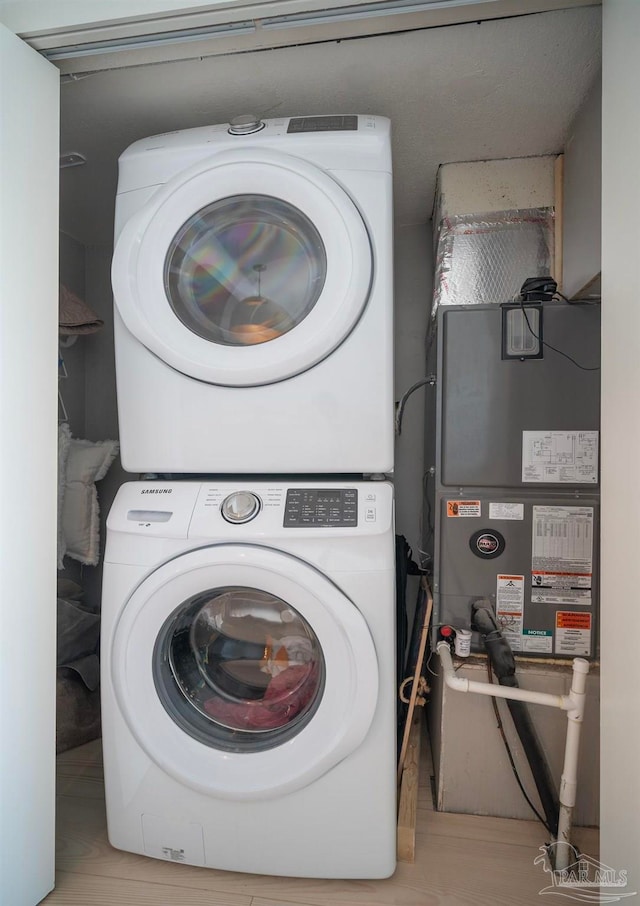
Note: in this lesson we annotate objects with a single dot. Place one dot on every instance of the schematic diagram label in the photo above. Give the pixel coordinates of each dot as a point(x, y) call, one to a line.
point(573, 633)
point(562, 555)
point(560, 457)
point(510, 608)
point(463, 508)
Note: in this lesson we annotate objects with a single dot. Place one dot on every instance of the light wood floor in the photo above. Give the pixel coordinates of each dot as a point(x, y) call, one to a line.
point(461, 860)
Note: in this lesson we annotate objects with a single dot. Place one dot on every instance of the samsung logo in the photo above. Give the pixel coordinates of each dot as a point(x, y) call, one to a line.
point(157, 491)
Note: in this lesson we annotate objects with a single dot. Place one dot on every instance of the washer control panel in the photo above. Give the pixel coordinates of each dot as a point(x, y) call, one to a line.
point(321, 506)
point(255, 510)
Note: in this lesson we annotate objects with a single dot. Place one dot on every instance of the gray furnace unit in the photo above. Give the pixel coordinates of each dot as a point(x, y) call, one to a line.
point(516, 504)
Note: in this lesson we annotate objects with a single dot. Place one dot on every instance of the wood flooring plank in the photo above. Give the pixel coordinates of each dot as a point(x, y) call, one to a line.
point(460, 860)
point(449, 870)
point(83, 848)
point(80, 787)
point(80, 772)
point(277, 901)
point(69, 771)
point(89, 753)
point(260, 901)
point(82, 890)
point(80, 780)
point(506, 830)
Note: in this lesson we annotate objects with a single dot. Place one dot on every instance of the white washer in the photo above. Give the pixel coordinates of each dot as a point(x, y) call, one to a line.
point(248, 685)
point(252, 279)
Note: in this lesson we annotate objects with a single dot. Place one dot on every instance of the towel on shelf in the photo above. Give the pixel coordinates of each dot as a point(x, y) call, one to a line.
point(74, 315)
point(87, 463)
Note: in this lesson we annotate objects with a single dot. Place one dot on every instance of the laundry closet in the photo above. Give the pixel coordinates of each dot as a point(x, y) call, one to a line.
point(431, 84)
point(521, 87)
point(451, 95)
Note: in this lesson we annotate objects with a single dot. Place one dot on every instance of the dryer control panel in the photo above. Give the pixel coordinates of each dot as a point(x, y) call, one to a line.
point(323, 124)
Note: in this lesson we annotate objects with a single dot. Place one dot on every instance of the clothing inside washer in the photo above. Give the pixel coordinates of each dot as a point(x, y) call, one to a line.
point(245, 659)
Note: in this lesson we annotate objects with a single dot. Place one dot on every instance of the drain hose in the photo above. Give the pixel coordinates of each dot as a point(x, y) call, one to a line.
point(504, 667)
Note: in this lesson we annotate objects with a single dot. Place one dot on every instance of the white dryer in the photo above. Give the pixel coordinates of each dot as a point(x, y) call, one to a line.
point(252, 279)
point(248, 684)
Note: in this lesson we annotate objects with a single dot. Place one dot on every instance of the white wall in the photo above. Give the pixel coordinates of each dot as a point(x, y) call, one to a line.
point(101, 418)
point(582, 232)
point(484, 186)
point(72, 391)
point(413, 279)
point(620, 715)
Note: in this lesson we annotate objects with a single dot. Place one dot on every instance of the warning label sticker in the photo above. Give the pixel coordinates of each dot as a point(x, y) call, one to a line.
point(568, 620)
point(464, 508)
point(567, 597)
point(573, 633)
point(510, 608)
point(562, 555)
point(538, 640)
point(547, 579)
point(562, 457)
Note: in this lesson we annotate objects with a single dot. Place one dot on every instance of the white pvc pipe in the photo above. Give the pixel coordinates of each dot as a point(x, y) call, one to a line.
point(573, 704)
point(569, 779)
point(460, 684)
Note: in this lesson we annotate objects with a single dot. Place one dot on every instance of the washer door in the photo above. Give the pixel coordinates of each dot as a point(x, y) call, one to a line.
point(245, 269)
point(243, 672)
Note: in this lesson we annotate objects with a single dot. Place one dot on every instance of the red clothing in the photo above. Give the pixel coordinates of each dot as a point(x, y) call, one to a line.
point(286, 696)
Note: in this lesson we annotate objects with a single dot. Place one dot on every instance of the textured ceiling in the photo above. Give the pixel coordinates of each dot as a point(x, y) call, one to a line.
point(503, 88)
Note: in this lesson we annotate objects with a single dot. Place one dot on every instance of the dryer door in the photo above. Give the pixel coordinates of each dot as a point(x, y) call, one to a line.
point(245, 269)
point(243, 672)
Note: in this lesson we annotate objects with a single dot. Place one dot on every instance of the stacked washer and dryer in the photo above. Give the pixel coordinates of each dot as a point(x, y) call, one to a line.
point(248, 628)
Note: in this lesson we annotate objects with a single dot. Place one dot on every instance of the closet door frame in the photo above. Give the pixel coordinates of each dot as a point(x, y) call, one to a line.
point(29, 168)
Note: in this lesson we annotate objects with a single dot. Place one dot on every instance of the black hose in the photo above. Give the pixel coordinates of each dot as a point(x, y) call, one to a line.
point(504, 667)
point(537, 762)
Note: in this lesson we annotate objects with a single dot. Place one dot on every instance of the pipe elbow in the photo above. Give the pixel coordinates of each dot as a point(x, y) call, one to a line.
point(457, 683)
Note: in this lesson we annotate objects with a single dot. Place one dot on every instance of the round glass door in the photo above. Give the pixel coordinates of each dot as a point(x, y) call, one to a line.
point(245, 270)
point(242, 671)
point(239, 669)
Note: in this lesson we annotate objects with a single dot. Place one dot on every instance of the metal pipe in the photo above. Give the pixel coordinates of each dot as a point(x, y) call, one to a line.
point(573, 704)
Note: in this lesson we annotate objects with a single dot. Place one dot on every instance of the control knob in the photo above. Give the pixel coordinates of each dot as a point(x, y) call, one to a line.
point(241, 506)
point(245, 124)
